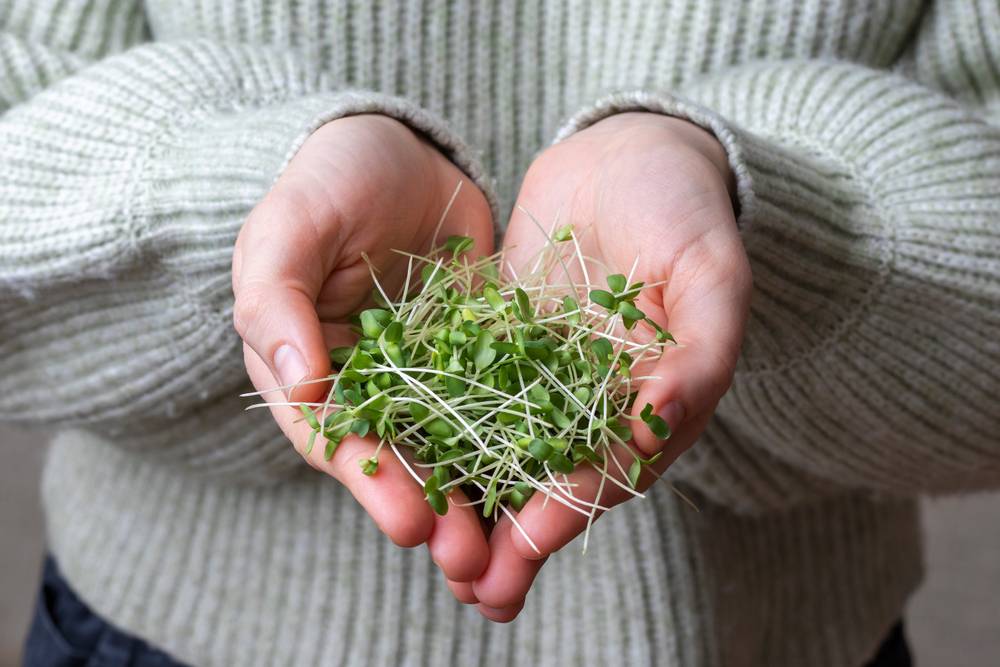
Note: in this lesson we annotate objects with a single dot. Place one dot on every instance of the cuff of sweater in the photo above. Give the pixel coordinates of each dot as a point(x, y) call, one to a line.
point(432, 128)
point(197, 182)
point(671, 105)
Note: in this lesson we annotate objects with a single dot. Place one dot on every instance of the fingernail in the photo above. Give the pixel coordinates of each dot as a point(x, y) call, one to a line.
point(290, 365)
point(673, 414)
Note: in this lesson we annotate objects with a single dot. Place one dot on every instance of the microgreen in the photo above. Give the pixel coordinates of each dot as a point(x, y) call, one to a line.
point(502, 389)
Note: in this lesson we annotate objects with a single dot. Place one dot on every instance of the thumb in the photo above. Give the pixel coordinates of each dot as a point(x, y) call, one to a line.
point(706, 317)
point(277, 274)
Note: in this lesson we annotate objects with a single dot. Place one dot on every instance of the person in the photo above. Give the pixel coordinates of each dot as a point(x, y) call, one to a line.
point(817, 182)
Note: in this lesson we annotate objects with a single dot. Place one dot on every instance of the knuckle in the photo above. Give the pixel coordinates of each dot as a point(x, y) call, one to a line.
point(247, 311)
point(720, 378)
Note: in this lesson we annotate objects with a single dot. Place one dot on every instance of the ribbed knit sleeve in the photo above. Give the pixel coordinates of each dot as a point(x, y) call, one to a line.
point(42, 41)
point(957, 50)
point(869, 209)
point(123, 189)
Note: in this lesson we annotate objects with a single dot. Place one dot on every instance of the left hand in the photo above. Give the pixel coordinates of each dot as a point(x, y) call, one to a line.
point(656, 188)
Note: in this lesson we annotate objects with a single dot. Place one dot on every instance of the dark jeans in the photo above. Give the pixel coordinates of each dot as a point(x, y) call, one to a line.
point(66, 633)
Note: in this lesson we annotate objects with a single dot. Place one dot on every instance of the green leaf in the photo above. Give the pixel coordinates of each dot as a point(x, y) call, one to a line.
point(455, 386)
point(310, 416)
point(455, 364)
point(419, 411)
point(369, 466)
point(491, 496)
point(505, 348)
point(336, 418)
point(431, 484)
point(539, 394)
point(439, 427)
point(560, 463)
point(457, 337)
point(438, 502)
point(432, 274)
point(485, 353)
point(493, 298)
point(520, 495)
point(572, 310)
point(442, 474)
point(490, 271)
point(362, 361)
point(629, 311)
point(518, 500)
point(559, 418)
point(652, 459)
point(658, 426)
point(616, 283)
point(507, 418)
point(564, 233)
point(537, 349)
point(360, 427)
point(662, 335)
point(633, 291)
point(647, 411)
point(619, 429)
point(374, 321)
point(393, 333)
point(602, 348)
point(540, 450)
point(395, 354)
point(458, 244)
point(340, 355)
point(524, 310)
point(310, 443)
point(634, 471)
point(583, 452)
point(603, 298)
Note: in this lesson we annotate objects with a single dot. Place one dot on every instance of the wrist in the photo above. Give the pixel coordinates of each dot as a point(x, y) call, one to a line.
point(662, 129)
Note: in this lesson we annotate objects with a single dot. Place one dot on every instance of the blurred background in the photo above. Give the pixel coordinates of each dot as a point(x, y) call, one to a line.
point(954, 621)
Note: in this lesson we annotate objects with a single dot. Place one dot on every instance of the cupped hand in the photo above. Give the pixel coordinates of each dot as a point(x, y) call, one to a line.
point(654, 190)
point(359, 187)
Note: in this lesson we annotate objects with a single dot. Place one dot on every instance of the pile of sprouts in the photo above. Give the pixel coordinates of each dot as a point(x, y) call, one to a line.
point(499, 387)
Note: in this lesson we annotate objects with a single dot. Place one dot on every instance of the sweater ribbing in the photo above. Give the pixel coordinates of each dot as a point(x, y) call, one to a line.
point(869, 212)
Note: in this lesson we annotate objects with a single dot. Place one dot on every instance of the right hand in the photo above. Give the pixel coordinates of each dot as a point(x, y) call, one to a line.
point(361, 184)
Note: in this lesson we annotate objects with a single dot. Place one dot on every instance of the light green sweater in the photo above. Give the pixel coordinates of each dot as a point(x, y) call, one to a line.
point(864, 139)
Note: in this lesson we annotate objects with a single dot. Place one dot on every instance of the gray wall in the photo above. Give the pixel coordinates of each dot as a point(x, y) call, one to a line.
point(954, 621)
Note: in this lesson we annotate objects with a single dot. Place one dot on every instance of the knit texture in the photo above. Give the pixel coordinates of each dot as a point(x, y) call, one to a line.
point(865, 144)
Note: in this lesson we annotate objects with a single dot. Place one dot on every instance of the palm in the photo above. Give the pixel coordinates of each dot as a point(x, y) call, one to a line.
point(647, 195)
point(357, 190)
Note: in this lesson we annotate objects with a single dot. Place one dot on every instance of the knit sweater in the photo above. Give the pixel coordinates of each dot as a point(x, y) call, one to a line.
point(136, 136)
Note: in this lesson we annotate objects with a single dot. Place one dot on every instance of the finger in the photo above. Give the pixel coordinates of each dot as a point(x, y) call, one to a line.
point(469, 216)
point(552, 525)
point(278, 271)
point(706, 302)
point(391, 496)
point(509, 575)
point(457, 544)
point(462, 590)
point(350, 288)
point(503, 615)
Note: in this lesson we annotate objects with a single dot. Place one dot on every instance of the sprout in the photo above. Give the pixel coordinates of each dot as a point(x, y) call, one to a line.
point(502, 389)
